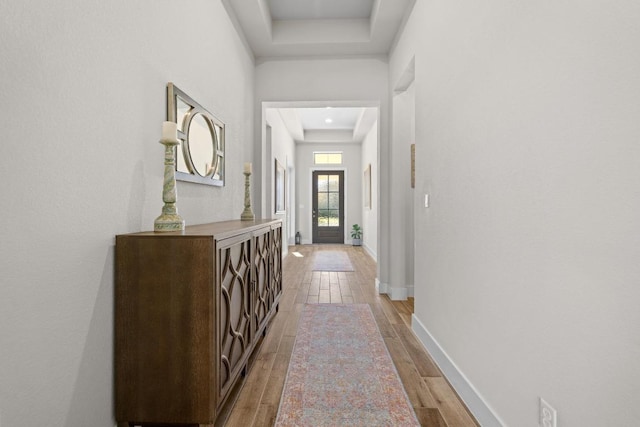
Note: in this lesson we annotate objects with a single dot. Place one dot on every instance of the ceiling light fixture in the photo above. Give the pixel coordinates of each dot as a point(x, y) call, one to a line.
point(328, 120)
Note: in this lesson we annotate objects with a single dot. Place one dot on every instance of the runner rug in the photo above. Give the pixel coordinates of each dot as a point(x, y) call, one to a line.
point(332, 261)
point(341, 374)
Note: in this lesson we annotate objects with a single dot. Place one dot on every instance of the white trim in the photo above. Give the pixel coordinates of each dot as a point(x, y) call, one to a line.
point(398, 293)
point(395, 293)
point(371, 253)
point(461, 384)
point(409, 290)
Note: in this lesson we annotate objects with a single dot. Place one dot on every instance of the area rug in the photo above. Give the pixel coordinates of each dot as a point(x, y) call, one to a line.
point(341, 374)
point(332, 261)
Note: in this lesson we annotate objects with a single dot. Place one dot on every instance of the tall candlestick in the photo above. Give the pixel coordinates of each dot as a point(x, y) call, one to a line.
point(169, 220)
point(247, 214)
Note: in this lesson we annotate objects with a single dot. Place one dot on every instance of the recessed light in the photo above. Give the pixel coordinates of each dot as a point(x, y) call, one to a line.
point(328, 120)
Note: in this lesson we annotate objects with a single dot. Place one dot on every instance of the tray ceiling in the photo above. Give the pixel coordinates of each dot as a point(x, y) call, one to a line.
point(303, 28)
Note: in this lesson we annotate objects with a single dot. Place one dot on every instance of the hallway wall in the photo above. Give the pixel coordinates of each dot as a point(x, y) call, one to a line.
point(402, 240)
point(83, 100)
point(370, 216)
point(527, 265)
point(283, 148)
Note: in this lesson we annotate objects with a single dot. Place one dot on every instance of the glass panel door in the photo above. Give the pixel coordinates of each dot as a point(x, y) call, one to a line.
point(328, 207)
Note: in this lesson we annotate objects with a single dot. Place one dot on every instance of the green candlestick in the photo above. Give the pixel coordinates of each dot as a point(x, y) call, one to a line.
point(169, 220)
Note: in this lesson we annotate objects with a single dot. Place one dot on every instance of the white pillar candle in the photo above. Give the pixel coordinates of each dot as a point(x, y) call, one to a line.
point(247, 168)
point(169, 131)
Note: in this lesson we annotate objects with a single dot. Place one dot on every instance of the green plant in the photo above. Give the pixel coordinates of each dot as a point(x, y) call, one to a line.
point(356, 232)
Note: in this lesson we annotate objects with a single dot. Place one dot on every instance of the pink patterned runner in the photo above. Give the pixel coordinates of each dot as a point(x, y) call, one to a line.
point(341, 374)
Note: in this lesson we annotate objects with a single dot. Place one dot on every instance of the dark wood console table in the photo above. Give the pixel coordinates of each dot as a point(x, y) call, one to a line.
point(189, 309)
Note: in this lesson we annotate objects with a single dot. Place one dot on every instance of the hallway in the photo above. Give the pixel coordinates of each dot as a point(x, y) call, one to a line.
point(435, 403)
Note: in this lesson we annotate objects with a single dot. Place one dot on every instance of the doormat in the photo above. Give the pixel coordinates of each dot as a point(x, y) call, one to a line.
point(341, 373)
point(332, 261)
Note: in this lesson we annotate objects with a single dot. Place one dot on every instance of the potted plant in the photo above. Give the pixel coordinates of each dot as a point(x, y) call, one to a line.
point(356, 235)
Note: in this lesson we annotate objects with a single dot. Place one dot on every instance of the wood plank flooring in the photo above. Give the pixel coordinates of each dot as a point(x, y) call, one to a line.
point(434, 401)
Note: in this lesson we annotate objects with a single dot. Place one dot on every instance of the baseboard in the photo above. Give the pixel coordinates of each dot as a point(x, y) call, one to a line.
point(410, 291)
point(398, 294)
point(381, 288)
point(467, 392)
point(371, 253)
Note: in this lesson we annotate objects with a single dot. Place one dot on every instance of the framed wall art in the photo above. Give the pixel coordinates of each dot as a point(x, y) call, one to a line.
point(366, 186)
point(280, 188)
point(413, 165)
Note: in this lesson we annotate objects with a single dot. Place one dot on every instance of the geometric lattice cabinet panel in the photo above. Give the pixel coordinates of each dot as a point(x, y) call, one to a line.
point(189, 308)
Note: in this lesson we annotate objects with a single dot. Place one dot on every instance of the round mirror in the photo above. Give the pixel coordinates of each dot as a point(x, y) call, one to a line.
point(201, 144)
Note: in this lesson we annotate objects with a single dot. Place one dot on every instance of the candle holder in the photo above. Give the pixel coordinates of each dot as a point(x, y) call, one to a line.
point(169, 220)
point(247, 214)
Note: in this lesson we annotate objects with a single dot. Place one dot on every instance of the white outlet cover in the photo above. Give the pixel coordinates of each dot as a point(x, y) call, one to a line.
point(548, 415)
point(426, 200)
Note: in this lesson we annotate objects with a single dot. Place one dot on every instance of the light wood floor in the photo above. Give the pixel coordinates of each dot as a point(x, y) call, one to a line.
point(434, 401)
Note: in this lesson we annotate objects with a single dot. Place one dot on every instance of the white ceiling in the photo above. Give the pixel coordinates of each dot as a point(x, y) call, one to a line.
point(329, 118)
point(303, 28)
point(319, 9)
point(347, 125)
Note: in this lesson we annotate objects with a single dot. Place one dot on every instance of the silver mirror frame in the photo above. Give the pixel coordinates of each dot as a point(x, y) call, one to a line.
point(215, 174)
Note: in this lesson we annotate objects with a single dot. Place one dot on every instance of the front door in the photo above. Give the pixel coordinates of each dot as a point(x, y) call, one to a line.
point(328, 207)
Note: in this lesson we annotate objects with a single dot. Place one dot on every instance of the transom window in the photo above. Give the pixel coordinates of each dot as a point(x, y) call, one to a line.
point(327, 158)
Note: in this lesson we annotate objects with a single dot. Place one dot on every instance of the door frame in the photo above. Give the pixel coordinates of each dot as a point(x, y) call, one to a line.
point(346, 198)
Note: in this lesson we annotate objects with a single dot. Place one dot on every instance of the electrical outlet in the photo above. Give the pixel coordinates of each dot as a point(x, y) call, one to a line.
point(548, 415)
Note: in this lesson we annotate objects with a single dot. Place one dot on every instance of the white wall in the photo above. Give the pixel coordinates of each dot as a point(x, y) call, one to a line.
point(83, 99)
point(351, 161)
point(370, 216)
point(340, 82)
point(401, 239)
point(527, 265)
point(283, 148)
